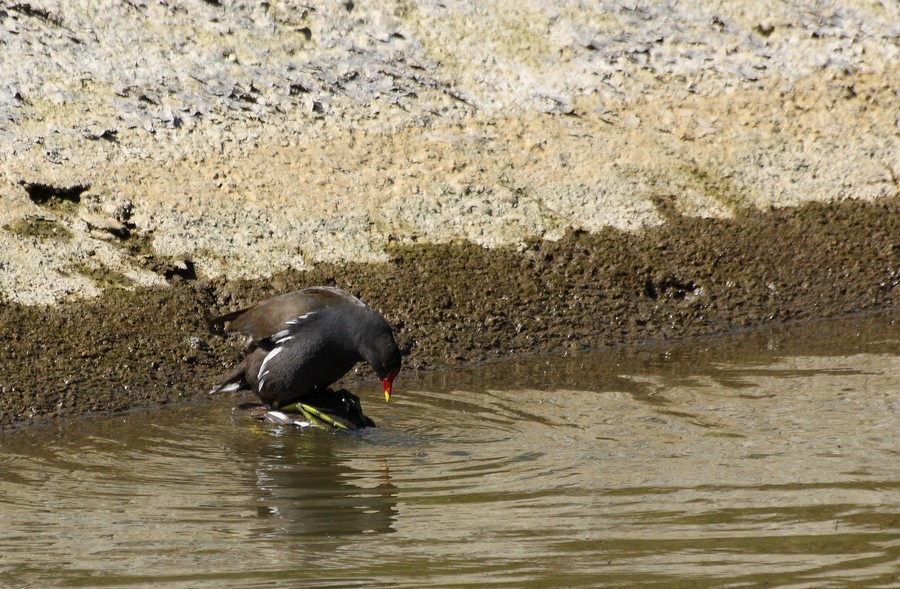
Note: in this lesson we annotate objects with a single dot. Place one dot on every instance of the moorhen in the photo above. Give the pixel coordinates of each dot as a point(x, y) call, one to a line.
point(301, 342)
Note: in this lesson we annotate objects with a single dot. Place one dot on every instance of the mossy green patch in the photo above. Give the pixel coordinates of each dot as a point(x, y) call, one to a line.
point(104, 277)
point(41, 228)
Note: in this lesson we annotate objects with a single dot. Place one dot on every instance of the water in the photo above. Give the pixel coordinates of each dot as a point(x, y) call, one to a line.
point(763, 459)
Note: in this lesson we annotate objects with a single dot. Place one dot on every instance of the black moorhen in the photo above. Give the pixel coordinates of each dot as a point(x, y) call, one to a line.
point(301, 342)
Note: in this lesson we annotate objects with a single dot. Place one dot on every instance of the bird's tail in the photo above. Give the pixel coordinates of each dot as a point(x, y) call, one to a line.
point(233, 381)
point(217, 324)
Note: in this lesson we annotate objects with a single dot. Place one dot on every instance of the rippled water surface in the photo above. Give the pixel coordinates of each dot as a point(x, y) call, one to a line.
point(768, 459)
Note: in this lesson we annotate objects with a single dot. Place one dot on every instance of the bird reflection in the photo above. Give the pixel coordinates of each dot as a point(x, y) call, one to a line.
point(310, 482)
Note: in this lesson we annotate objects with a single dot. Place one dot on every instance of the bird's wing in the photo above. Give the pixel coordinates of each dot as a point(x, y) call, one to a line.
point(265, 319)
point(295, 327)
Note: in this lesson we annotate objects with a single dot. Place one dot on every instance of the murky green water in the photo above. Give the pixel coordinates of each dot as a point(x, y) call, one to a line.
point(768, 459)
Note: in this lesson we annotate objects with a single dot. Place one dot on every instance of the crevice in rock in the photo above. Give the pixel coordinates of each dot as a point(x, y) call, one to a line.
point(46, 194)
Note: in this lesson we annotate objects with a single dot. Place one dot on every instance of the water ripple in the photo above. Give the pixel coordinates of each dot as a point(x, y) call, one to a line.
point(782, 474)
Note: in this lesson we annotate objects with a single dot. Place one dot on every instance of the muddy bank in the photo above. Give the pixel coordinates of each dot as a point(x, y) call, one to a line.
point(460, 303)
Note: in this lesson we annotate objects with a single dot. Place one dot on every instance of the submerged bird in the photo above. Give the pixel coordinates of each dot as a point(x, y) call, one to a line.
point(301, 342)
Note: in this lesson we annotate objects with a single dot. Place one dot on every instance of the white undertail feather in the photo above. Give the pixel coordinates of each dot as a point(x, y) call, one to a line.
point(230, 387)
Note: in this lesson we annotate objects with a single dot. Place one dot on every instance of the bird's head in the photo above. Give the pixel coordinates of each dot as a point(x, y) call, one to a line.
point(387, 368)
point(383, 355)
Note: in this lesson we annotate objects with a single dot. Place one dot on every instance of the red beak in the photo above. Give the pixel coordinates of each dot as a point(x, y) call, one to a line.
point(388, 382)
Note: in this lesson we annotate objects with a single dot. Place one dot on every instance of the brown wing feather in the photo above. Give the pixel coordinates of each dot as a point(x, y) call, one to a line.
point(268, 317)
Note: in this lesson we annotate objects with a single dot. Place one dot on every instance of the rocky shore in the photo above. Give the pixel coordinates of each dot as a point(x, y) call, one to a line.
point(503, 179)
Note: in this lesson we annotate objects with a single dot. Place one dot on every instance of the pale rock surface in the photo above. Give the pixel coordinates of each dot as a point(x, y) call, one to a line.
point(250, 137)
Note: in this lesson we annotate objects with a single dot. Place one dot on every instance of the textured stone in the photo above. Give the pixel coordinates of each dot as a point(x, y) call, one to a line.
point(251, 138)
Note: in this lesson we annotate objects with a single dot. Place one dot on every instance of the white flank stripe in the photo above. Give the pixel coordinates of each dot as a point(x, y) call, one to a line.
point(261, 375)
point(282, 336)
point(300, 318)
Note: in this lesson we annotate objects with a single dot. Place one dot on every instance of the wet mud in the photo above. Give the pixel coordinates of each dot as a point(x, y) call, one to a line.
point(460, 304)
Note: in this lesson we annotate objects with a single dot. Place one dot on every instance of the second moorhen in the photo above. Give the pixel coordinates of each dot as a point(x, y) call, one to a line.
point(302, 342)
